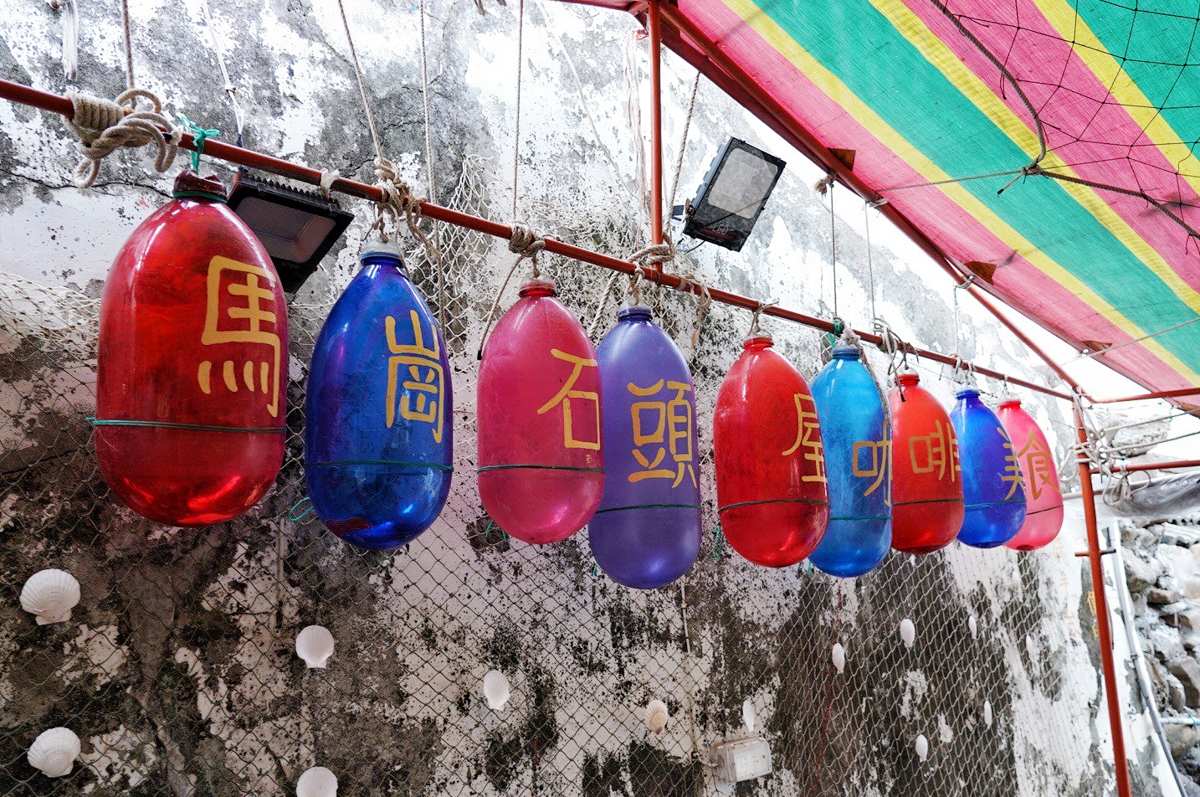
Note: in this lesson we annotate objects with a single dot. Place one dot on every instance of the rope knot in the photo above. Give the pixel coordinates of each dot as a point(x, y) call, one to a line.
point(654, 255)
point(526, 245)
point(103, 126)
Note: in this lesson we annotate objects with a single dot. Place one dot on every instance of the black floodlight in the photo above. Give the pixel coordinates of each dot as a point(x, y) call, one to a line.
point(297, 228)
point(732, 195)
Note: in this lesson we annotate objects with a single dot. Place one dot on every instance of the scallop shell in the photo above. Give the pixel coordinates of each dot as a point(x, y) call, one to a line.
point(496, 690)
point(50, 595)
point(317, 782)
point(54, 752)
point(987, 713)
point(839, 657)
point(314, 644)
point(908, 632)
point(656, 716)
point(973, 625)
point(921, 745)
point(749, 715)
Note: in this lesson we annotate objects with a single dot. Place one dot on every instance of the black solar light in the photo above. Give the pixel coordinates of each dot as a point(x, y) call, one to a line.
point(297, 228)
point(732, 195)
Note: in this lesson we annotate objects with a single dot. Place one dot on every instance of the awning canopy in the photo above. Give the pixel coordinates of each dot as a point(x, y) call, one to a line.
point(939, 104)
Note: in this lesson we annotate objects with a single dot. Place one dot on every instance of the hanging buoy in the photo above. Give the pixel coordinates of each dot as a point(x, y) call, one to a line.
point(839, 657)
point(192, 363)
point(772, 494)
point(854, 429)
point(927, 493)
point(991, 475)
point(908, 632)
point(378, 437)
point(1043, 497)
point(541, 469)
point(647, 530)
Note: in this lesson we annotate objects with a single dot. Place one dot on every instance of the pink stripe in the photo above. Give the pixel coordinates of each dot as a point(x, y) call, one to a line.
point(1096, 137)
point(955, 231)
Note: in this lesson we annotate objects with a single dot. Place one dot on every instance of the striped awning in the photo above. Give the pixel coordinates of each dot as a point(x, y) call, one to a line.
point(942, 103)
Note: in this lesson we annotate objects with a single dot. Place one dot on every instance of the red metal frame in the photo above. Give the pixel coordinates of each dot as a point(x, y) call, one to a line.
point(1103, 629)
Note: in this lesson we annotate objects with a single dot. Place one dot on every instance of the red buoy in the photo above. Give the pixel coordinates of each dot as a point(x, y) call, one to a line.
point(772, 493)
point(541, 470)
point(192, 365)
point(927, 492)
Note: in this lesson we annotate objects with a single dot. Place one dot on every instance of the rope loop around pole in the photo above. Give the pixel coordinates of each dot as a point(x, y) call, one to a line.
point(527, 245)
point(758, 311)
point(654, 255)
point(103, 126)
point(690, 284)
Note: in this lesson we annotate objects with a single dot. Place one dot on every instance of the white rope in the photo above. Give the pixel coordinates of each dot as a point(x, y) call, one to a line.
point(437, 241)
point(239, 116)
point(517, 125)
point(103, 126)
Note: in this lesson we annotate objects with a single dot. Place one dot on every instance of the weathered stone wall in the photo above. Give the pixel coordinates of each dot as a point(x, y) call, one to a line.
point(177, 669)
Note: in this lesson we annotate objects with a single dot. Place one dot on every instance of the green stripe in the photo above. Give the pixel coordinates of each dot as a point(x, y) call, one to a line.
point(195, 427)
point(860, 517)
point(773, 501)
point(929, 501)
point(647, 506)
point(389, 462)
point(914, 98)
point(538, 467)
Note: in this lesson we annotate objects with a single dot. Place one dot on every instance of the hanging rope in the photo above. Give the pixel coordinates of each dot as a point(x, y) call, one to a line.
point(103, 126)
point(517, 124)
point(758, 311)
point(437, 240)
point(687, 124)
point(690, 284)
point(128, 31)
point(239, 118)
point(526, 245)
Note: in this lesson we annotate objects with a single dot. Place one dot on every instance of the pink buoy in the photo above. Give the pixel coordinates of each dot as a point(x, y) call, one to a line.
point(1043, 498)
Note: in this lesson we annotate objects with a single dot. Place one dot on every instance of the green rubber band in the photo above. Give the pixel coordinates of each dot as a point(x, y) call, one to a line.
point(196, 427)
point(648, 506)
point(392, 462)
point(538, 467)
point(202, 194)
point(928, 501)
point(989, 503)
point(199, 136)
point(774, 501)
point(859, 517)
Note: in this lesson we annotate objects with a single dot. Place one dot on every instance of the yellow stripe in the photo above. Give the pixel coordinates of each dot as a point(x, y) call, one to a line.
point(975, 89)
point(841, 94)
point(1108, 71)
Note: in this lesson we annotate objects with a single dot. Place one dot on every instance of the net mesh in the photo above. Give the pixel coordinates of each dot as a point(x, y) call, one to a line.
point(179, 674)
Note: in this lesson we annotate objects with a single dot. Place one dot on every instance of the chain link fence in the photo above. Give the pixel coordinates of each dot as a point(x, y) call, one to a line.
point(178, 670)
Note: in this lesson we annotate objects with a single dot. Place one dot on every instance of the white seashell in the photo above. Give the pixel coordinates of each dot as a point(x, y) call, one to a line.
point(839, 657)
point(1016, 577)
point(973, 624)
point(51, 595)
point(921, 745)
point(749, 715)
point(54, 752)
point(496, 690)
point(317, 782)
point(987, 713)
point(656, 716)
point(908, 632)
point(314, 644)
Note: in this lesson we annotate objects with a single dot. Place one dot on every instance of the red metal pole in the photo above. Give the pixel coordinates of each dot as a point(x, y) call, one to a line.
point(1102, 626)
point(304, 174)
point(1182, 463)
point(654, 24)
point(1161, 394)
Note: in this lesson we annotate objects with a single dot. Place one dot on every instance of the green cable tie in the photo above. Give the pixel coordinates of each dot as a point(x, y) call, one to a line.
point(199, 136)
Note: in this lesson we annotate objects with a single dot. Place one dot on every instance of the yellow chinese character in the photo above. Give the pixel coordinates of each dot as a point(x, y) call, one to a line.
point(246, 320)
point(422, 396)
point(808, 434)
point(941, 452)
point(1012, 469)
point(1037, 461)
point(877, 466)
point(567, 393)
point(665, 424)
